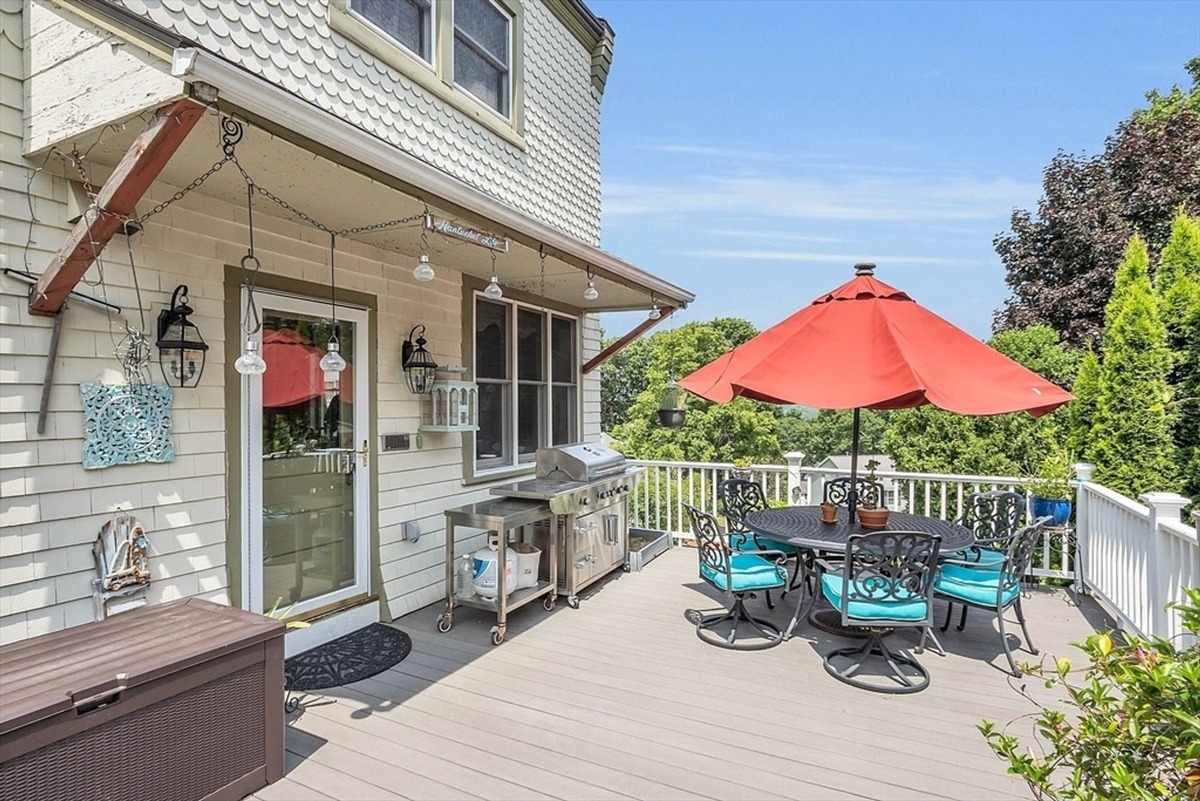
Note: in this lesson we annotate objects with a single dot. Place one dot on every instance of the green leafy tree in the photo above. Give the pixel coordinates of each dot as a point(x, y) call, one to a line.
point(1133, 730)
point(1130, 440)
point(622, 379)
point(1177, 285)
point(711, 432)
point(829, 432)
point(1060, 263)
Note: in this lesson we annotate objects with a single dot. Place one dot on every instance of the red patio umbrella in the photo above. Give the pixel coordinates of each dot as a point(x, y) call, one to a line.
point(294, 373)
point(869, 345)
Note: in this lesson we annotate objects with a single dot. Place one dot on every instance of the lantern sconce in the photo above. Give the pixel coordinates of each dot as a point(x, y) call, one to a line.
point(181, 349)
point(418, 365)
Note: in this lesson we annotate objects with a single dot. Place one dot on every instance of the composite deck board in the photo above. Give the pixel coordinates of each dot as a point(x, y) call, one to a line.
point(620, 700)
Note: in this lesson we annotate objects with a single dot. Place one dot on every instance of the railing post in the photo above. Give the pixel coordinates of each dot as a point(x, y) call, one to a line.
point(795, 481)
point(1163, 506)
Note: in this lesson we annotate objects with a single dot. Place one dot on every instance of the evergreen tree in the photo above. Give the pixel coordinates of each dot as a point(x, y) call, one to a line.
point(1082, 411)
point(1130, 440)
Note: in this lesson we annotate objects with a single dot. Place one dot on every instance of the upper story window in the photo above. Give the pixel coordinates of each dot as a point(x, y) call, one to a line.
point(409, 22)
point(527, 369)
point(468, 53)
point(482, 51)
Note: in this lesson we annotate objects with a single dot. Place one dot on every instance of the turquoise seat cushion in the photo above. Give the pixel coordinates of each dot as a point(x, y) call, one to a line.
point(744, 541)
point(905, 606)
point(749, 573)
point(973, 585)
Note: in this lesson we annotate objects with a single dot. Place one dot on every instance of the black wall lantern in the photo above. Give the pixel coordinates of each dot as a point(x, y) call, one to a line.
point(419, 366)
point(181, 349)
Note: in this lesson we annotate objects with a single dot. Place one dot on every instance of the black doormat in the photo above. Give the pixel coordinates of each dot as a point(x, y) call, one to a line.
point(357, 655)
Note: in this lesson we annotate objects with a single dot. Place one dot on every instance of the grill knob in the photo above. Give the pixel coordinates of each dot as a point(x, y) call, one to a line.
point(584, 501)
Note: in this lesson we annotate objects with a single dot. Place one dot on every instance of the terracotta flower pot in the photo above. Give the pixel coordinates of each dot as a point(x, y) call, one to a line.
point(828, 513)
point(872, 518)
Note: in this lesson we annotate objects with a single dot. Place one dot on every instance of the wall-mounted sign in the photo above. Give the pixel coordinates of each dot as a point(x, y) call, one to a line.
point(481, 238)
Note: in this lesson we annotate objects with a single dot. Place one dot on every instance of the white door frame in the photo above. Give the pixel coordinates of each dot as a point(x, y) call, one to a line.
point(251, 456)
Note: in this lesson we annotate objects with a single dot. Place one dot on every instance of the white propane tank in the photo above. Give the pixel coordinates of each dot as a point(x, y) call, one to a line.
point(486, 560)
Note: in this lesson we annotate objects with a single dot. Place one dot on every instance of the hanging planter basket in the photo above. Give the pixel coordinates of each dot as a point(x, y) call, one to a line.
point(671, 418)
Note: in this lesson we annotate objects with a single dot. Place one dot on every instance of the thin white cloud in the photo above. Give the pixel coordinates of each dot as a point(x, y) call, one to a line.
point(773, 236)
point(708, 151)
point(874, 199)
point(800, 256)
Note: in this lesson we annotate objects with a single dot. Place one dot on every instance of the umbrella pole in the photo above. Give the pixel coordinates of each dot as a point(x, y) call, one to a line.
point(853, 511)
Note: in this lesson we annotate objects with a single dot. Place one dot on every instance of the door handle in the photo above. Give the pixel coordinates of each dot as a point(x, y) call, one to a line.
point(363, 451)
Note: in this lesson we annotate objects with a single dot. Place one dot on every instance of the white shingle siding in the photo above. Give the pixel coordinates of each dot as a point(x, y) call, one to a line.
point(556, 179)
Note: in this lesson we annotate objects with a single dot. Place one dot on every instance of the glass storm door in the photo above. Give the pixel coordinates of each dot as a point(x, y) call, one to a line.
point(305, 504)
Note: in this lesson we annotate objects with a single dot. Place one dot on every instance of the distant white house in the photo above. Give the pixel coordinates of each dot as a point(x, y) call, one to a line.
point(842, 462)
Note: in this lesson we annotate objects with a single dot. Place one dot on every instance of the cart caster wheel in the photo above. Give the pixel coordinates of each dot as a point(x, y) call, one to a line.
point(573, 602)
point(444, 622)
point(626, 567)
point(497, 635)
point(549, 603)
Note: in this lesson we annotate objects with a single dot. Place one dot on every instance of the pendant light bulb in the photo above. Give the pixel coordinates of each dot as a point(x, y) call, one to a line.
point(332, 361)
point(493, 290)
point(655, 313)
point(423, 271)
point(250, 362)
point(590, 293)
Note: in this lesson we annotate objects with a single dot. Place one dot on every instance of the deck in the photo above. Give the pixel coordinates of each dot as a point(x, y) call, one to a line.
point(619, 699)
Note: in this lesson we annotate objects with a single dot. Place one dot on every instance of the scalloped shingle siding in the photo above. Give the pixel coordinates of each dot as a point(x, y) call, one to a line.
point(289, 43)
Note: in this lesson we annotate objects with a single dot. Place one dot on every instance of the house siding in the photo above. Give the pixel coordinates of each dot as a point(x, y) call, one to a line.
point(555, 178)
point(51, 509)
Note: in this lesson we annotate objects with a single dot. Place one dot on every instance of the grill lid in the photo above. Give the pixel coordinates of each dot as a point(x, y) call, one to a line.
point(580, 461)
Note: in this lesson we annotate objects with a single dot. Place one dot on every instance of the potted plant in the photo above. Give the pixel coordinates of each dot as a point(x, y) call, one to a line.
point(828, 512)
point(871, 512)
point(1050, 488)
point(741, 467)
point(671, 409)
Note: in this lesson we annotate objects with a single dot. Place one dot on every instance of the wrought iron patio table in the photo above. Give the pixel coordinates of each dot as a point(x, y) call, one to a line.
point(802, 526)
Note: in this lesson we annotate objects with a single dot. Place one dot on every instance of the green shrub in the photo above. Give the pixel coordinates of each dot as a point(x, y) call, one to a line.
point(1133, 732)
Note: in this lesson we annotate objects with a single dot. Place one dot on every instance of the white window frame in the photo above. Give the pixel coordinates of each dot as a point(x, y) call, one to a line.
point(430, 16)
point(437, 75)
point(514, 461)
point(506, 69)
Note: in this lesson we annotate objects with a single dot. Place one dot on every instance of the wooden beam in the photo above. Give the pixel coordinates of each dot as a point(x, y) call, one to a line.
point(616, 347)
point(139, 168)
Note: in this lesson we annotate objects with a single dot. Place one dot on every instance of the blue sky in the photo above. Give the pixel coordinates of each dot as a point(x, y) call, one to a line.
point(752, 152)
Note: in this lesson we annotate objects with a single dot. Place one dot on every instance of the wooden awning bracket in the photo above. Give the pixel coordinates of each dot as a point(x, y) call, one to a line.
point(616, 347)
point(137, 170)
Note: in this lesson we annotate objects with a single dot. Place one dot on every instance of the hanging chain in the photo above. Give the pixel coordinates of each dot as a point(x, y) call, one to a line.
point(542, 256)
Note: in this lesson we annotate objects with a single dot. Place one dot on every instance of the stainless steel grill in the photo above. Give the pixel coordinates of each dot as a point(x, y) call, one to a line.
point(586, 486)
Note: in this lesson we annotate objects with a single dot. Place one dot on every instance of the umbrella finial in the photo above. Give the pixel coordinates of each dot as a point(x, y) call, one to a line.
point(864, 268)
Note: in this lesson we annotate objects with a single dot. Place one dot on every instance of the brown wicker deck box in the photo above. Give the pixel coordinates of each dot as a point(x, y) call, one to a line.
point(178, 701)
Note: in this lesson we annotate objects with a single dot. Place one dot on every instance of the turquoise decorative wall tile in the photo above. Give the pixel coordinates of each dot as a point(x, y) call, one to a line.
point(126, 424)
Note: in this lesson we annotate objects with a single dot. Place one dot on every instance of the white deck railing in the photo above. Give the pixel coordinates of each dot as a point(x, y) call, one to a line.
point(1137, 557)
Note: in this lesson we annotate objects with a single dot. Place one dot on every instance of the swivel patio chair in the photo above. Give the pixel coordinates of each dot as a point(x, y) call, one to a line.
point(995, 519)
point(884, 583)
point(837, 491)
point(736, 573)
point(739, 498)
point(994, 589)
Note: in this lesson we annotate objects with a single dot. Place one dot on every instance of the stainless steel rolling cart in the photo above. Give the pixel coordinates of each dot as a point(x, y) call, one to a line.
point(508, 518)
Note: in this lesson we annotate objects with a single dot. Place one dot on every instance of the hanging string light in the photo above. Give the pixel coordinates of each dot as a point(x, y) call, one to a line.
point(493, 290)
point(251, 361)
point(332, 361)
point(590, 293)
point(424, 270)
point(655, 312)
point(542, 282)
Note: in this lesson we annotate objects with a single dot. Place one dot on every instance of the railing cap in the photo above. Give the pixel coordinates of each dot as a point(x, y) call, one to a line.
point(1164, 500)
